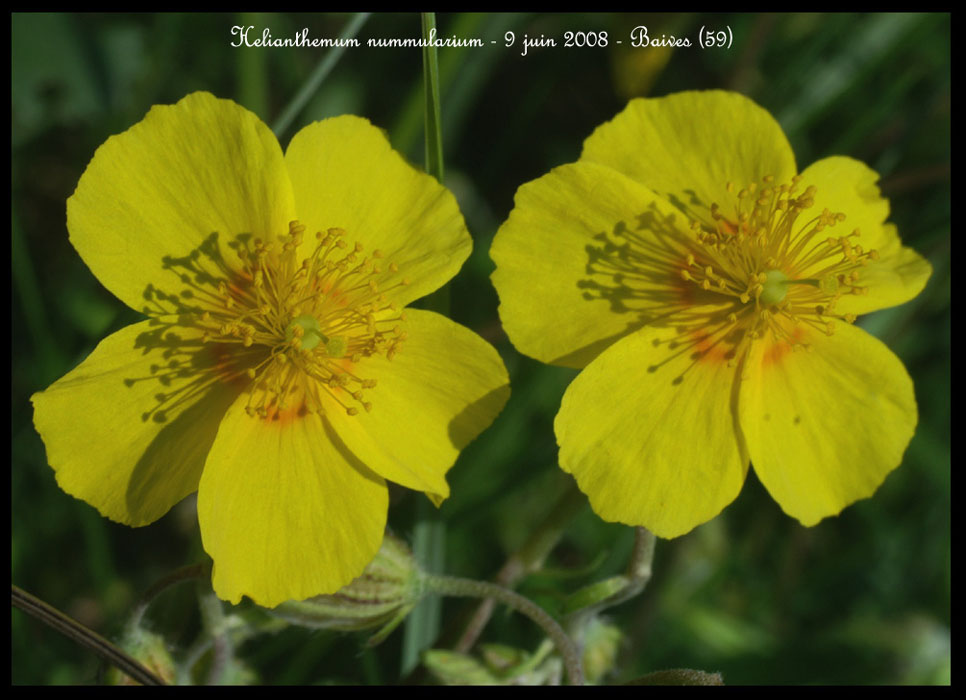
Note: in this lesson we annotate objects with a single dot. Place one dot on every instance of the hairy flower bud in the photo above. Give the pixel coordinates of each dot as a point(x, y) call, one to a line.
point(388, 589)
point(601, 642)
point(497, 664)
point(149, 649)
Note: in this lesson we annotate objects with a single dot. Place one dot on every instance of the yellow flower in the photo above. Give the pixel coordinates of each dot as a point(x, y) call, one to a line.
point(277, 373)
point(708, 292)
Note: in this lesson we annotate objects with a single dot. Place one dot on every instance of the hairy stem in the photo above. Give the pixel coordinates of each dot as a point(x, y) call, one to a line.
point(74, 630)
point(526, 560)
point(468, 588)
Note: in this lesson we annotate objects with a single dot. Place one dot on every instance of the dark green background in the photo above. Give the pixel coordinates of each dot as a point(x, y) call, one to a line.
point(860, 598)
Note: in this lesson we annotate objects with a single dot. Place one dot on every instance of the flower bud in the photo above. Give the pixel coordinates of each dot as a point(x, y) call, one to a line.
point(498, 664)
point(151, 651)
point(388, 589)
point(601, 642)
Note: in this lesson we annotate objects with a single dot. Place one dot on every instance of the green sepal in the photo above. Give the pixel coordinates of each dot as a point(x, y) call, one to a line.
point(380, 636)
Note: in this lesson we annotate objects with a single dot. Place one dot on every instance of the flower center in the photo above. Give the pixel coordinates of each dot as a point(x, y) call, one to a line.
point(770, 269)
point(306, 328)
point(773, 288)
point(303, 328)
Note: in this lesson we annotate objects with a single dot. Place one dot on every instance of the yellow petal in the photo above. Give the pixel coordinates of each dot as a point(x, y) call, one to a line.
point(689, 145)
point(286, 512)
point(570, 272)
point(849, 186)
point(650, 433)
point(346, 175)
point(129, 428)
point(161, 188)
point(442, 389)
point(825, 427)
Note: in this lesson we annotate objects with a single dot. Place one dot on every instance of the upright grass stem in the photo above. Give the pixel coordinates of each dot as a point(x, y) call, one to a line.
point(438, 301)
point(322, 70)
point(422, 625)
point(434, 129)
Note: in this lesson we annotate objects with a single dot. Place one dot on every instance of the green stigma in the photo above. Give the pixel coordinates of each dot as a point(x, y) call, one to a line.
point(311, 334)
point(774, 287)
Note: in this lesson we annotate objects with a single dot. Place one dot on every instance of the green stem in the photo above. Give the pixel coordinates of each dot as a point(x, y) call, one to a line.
point(630, 584)
point(74, 630)
point(252, 70)
point(433, 121)
point(527, 559)
point(468, 588)
point(639, 568)
point(213, 618)
point(186, 573)
point(322, 70)
point(27, 291)
point(429, 549)
point(422, 625)
point(438, 301)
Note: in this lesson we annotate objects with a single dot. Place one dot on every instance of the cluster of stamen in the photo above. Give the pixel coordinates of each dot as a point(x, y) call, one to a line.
point(302, 327)
point(772, 267)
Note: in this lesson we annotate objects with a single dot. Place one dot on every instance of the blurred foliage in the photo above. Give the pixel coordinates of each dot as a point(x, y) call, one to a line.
point(860, 598)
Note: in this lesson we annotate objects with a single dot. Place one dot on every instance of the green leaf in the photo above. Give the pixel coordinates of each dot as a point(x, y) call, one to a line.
point(595, 593)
